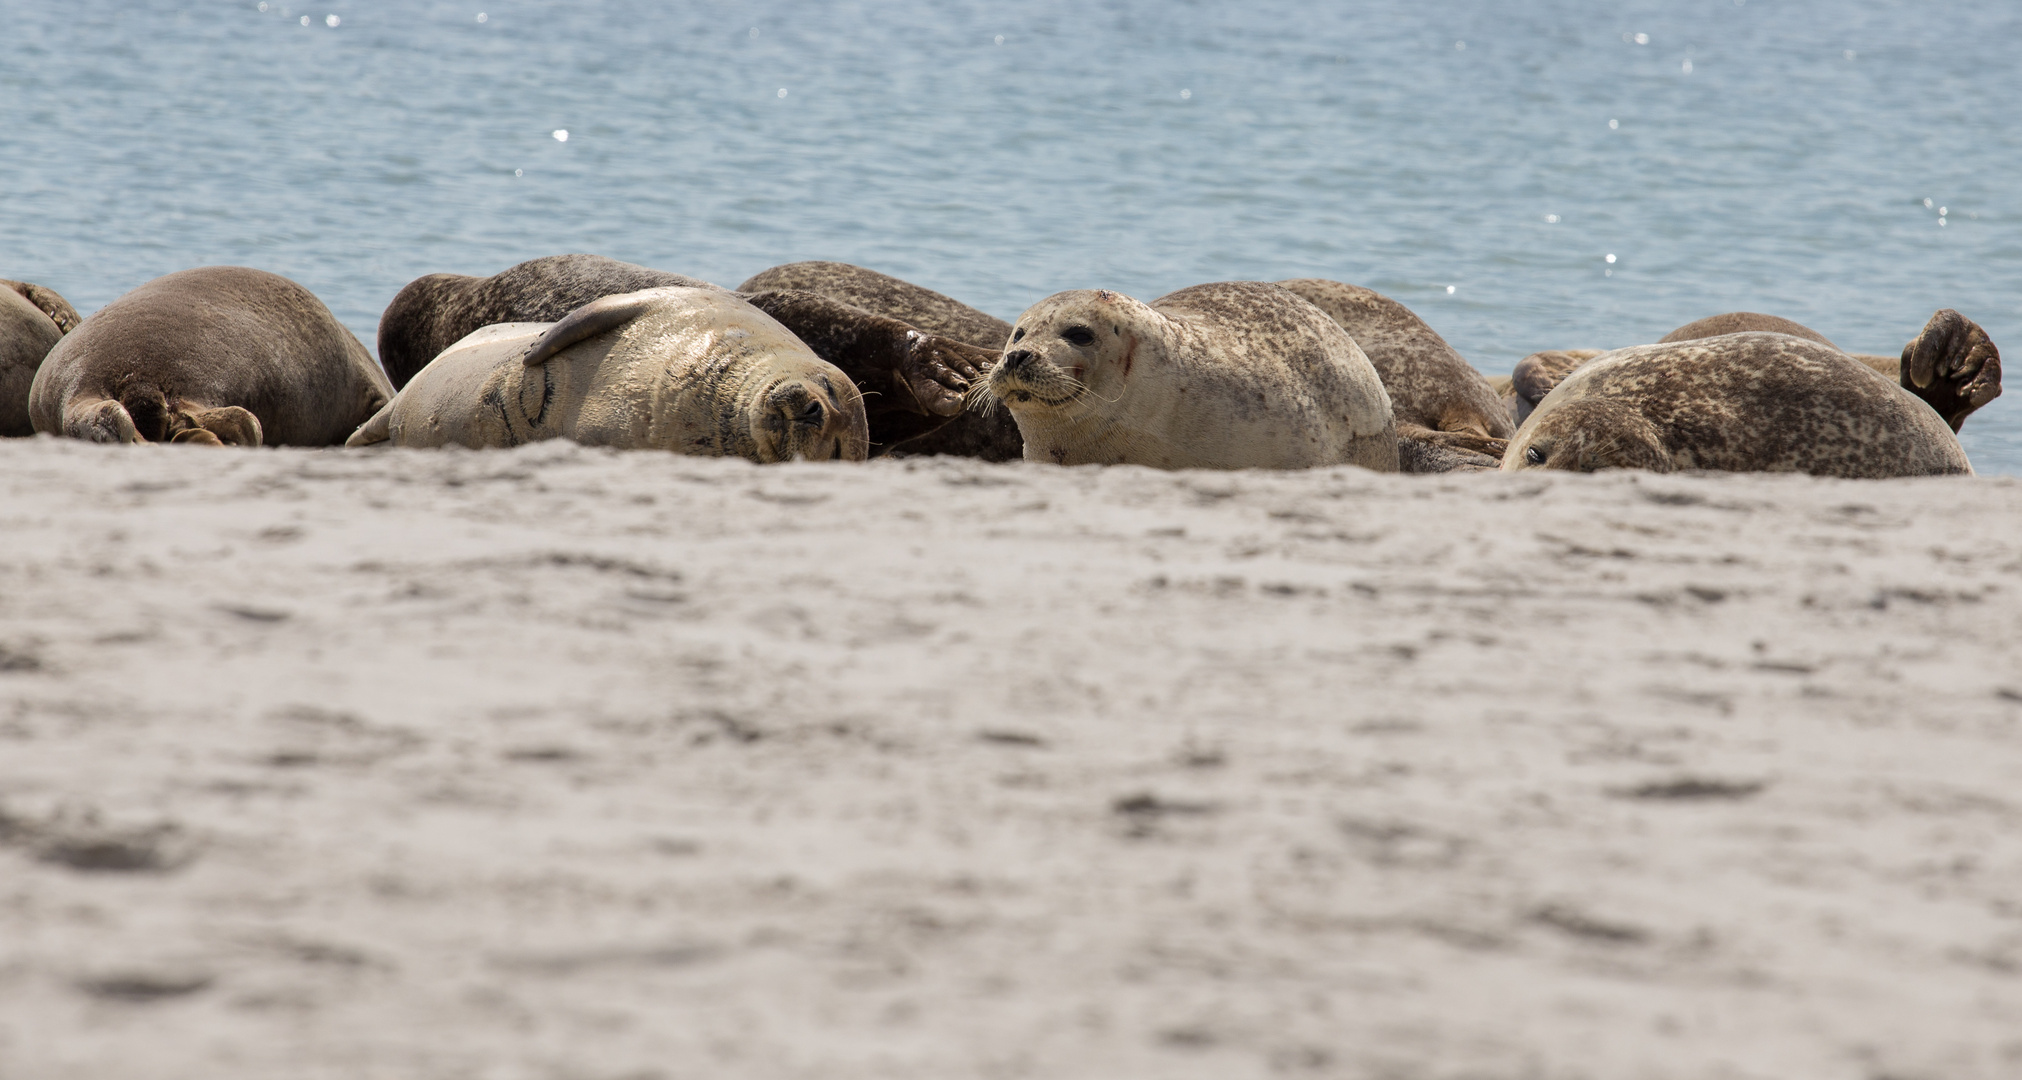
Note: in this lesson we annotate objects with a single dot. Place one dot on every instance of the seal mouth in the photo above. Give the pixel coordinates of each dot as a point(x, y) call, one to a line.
point(1024, 379)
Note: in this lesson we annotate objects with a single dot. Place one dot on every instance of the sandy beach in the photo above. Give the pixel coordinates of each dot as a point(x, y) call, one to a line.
point(563, 763)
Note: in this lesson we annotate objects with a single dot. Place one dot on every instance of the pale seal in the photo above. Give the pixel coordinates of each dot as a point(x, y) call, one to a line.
point(1232, 375)
point(32, 320)
point(689, 370)
point(912, 378)
point(1436, 396)
point(216, 354)
point(990, 435)
point(1737, 402)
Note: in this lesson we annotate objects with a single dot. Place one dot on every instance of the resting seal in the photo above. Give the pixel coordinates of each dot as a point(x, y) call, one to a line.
point(691, 370)
point(911, 378)
point(991, 435)
point(32, 320)
point(1738, 402)
point(1952, 366)
point(1436, 396)
point(1233, 375)
point(216, 354)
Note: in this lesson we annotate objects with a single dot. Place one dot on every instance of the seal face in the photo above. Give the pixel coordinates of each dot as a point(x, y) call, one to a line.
point(1223, 376)
point(693, 371)
point(219, 354)
point(28, 330)
point(1739, 402)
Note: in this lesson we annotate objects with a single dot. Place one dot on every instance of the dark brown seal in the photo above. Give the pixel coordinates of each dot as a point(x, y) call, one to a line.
point(32, 320)
point(217, 354)
point(912, 377)
point(1736, 402)
point(991, 435)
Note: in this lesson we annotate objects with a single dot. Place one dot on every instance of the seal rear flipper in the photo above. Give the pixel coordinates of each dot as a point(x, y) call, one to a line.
point(1952, 366)
point(56, 307)
point(99, 420)
point(587, 322)
point(228, 425)
point(379, 429)
point(1539, 373)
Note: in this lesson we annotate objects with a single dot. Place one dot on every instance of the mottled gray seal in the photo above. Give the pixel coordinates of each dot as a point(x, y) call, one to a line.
point(912, 378)
point(216, 354)
point(1952, 365)
point(32, 320)
point(1436, 396)
point(1232, 375)
point(990, 435)
point(1737, 402)
point(690, 370)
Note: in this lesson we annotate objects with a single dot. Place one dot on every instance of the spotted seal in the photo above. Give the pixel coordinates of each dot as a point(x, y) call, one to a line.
point(691, 370)
point(1230, 375)
point(219, 354)
point(32, 320)
point(1749, 401)
point(911, 377)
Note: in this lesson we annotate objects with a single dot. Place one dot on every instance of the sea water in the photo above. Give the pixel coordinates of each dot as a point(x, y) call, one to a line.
point(1547, 174)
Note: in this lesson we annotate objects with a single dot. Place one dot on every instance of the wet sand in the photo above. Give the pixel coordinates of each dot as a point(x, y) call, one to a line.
point(558, 763)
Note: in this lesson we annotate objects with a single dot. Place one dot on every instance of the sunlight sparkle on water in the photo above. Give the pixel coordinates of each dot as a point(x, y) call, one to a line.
point(561, 134)
point(1613, 124)
point(1611, 258)
point(1551, 219)
point(483, 17)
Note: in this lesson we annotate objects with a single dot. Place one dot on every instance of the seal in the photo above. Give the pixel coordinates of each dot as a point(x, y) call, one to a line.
point(912, 380)
point(32, 320)
point(1436, 396)
point(990, 435)
point(690, 370)
point(1737, 402)
point(1232, 375)
point(1952, 365)
point(219, 354)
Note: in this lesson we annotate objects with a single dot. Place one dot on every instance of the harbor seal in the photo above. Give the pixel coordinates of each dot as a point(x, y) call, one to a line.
point(1435, 394)
point(32, 320)
point(219, 354)
point(1737, 402)
point(911, 380)
point(1232, 375)
point(690, 370)
point(990, 435)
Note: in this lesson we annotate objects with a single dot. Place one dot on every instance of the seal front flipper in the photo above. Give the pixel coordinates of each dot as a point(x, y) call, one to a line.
point(911, 371)
point(587, 322)
point(1952, 366)
point(379, 429)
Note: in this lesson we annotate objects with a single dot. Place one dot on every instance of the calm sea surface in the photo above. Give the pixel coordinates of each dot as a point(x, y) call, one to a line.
point(1853, 166)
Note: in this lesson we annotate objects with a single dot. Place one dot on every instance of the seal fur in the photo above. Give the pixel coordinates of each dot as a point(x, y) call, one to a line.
point(218, 354)
point(690, 370)
point(32, 320)
point(1737, 402)
point(1230, 375)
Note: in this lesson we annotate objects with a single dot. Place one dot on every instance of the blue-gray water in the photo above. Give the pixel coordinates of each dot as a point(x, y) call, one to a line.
point(1478, 160)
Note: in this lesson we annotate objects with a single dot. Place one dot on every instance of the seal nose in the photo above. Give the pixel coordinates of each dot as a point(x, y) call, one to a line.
point(1016, 359)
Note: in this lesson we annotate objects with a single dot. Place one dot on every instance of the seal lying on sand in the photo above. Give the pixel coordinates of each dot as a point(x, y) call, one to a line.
point(912, 377)
point(990, 435)
point(1952, 366)
point(1744, 402)
point(216, 354)
point(1437, 397)
point(691, 370)
point(32, 320)
point(1226, 376)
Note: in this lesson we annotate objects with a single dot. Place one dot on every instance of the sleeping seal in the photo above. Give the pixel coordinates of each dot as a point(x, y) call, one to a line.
point(691, 370)
point(219, 354)
point(32, 320)
point(1232, 375)
point(1738, 402)
point(911, 377)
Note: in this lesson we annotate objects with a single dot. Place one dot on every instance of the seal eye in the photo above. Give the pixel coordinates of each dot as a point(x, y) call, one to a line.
point(1080, 336)
point(1534, 456)
point(1018, 334)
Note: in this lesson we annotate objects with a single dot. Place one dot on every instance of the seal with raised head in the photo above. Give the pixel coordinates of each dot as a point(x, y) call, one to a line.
point(691, 370)
point(1232, 375)
point(912, 379)
point(32, 320)
point(1738, 402)
point(1436, 396)
point(219, 354)
point(991, 434)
